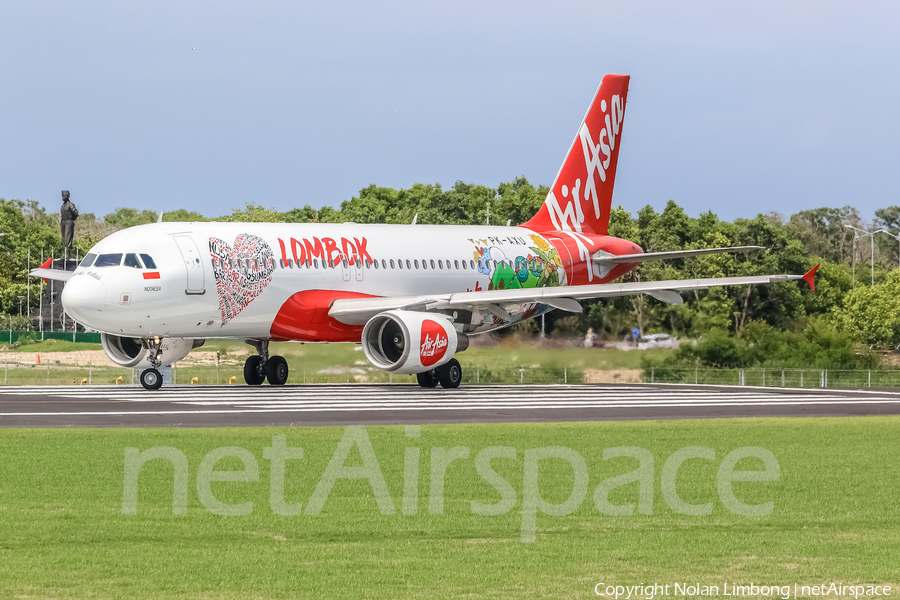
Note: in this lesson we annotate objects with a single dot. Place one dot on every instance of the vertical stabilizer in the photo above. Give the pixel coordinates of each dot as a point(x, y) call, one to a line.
point(581, 196)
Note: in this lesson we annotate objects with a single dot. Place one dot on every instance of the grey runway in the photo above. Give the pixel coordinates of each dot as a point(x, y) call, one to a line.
point(238, 406)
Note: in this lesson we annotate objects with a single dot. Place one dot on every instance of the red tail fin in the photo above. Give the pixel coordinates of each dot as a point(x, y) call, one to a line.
point(582, 193)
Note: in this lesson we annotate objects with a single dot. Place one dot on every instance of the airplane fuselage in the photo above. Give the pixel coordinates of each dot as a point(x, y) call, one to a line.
point(277, 280)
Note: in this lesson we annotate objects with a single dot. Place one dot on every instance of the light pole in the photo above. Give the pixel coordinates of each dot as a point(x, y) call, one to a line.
point(896, 237)
point(20, 304)
point(871, 234)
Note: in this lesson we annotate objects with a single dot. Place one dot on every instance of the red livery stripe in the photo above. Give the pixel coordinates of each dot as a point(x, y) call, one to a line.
point(151, 275)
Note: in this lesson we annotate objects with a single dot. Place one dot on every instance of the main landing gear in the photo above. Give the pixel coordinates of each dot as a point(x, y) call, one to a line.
point(448, 375)
point(261, 367)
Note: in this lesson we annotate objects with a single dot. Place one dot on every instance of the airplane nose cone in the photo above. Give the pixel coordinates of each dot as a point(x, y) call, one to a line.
point(83, 297)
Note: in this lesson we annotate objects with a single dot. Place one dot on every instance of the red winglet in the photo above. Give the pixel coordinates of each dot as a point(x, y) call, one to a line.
point(810, 277)
point(48, 264)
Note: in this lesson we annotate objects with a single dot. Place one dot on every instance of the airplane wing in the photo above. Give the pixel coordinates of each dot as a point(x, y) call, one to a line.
point(54, 274)
point(357, 311)
point(612, 259)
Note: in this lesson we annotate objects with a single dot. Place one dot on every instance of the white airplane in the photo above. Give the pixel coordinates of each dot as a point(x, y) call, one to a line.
point(410, 294)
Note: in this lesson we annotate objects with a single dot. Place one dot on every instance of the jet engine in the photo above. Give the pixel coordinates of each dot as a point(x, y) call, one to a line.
point(132, 352)
point(406, 342)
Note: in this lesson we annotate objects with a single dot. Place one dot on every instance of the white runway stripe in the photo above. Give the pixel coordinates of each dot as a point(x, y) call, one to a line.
point(427, 407)
point(365, 398)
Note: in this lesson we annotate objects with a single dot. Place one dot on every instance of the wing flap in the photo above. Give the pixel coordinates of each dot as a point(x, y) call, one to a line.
point(667, 296)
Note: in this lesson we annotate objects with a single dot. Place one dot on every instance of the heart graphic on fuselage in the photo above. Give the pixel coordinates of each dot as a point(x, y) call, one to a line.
point(242, 272)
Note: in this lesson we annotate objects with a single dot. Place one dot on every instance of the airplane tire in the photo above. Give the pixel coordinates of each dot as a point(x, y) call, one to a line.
point(151, 379)
point(450, 375)
point(428, 379)
point(277, 370)
point(254, 370)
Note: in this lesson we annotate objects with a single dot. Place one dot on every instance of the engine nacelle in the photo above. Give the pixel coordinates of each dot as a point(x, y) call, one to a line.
point(406, 342)
point(132, 352)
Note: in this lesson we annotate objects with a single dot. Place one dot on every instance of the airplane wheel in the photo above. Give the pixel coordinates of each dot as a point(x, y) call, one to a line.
point(151, 379)
point(277, 370)
point(450, 375)
point(254, 370)
point(428, 379)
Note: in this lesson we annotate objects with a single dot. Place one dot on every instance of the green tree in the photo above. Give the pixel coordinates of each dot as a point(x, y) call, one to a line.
point(129, 217)
point(872, 314)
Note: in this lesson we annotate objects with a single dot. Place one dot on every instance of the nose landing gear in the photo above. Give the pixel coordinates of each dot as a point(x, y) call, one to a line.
point(151, 378)
point(258, 369)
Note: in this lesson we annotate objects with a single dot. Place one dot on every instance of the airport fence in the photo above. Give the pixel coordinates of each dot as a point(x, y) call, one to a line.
point(775, 377)
point(12, 336)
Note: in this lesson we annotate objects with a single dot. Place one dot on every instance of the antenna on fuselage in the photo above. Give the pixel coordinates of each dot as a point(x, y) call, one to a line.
point(415, 218)
point(159, 219)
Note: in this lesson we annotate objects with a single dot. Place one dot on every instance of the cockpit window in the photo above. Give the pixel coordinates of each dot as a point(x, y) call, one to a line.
point(88, 260)
point(108, 260)
point(148, 262)
point(131, 260)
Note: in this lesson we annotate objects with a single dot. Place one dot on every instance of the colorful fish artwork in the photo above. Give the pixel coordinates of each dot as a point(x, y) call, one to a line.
point(542, 267)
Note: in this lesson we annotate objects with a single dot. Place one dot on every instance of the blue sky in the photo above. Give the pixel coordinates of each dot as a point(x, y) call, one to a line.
point(738, 107)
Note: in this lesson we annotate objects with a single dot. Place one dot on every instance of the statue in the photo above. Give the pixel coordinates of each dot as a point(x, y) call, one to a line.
point(68, 213)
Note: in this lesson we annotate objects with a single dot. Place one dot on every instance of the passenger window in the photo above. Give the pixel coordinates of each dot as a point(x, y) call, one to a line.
point(440, 264)
point(472, 264)
point(416, 263)
point(148, 262)
point(316, 263)
point(392, 263)
point(400, 264)
point(408, 266)
point(456, 263)
point(464, 264)
point(131, 260)
point(108, 260)
point(432, 263)
point(383, 264)
point(88, 260)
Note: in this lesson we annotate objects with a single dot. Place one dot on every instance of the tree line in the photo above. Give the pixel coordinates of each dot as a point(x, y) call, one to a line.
point(850, 308)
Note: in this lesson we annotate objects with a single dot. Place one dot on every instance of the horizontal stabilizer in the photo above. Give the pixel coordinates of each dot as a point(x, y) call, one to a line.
point(612, 259)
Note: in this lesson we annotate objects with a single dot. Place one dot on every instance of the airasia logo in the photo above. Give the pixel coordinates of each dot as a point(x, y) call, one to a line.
point(434, 343)
point(596, 156)
point(583, 194)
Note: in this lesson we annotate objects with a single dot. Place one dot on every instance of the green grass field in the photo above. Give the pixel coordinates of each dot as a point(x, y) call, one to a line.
point(63, 534)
